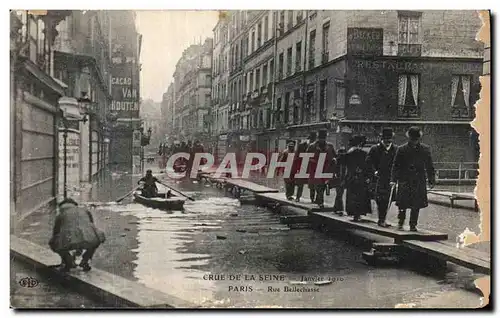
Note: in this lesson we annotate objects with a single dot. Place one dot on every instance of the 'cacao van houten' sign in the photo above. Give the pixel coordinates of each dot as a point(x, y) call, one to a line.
point(365, 41)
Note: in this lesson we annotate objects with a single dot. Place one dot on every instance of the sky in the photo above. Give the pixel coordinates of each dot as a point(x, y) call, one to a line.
point(165, 35)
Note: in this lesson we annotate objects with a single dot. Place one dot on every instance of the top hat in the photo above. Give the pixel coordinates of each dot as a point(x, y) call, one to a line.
point(322, 133)
point(387, 133)
point(414, 133)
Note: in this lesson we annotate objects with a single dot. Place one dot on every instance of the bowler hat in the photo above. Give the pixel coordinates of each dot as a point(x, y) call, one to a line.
point(290, 143)
point(387, 133)
point(322, 133)
point(358, 140)
point(414, 132)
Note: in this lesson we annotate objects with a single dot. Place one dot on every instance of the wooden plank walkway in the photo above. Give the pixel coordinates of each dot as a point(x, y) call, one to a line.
point(303, 204)
point(456, 196)
point(96, 282)
point(372, 227)
point(467, 257)
point(248, 185)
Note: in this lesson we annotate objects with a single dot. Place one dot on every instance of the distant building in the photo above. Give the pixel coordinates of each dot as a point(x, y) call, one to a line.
point(167, 114)
point(192, 91)
point(152, 121)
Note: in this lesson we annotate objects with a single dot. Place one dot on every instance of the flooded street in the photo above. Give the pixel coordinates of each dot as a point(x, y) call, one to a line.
point(253, 260)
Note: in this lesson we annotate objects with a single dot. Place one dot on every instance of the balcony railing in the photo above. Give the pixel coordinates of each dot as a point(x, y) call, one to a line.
point(409, 111)
point(460, 112)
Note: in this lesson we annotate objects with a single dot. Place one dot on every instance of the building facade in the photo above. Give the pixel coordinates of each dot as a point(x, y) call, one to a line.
point(220, 77)
point(35, 112)
point(192, 93)
point(125, 43)
point(355, 72)
point(82, 65)
point(167, 114)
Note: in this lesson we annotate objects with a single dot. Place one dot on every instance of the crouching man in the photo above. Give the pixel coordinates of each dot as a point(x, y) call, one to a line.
point(74, 229)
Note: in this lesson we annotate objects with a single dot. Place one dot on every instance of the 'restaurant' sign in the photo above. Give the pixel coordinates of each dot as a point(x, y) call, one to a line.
point(365, 41)
point(124, 84)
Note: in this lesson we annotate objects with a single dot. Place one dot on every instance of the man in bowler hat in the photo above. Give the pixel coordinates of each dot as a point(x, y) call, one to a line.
point(379, 161)
point(412, 168)
point(317, 185)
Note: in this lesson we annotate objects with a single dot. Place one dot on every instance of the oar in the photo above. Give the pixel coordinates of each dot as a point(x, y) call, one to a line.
point(184, 195)
point(126, 195)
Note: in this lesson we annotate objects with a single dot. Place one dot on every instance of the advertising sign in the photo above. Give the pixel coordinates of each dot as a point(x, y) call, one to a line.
point(124, 84)
point(136, 139)
point(365, 41)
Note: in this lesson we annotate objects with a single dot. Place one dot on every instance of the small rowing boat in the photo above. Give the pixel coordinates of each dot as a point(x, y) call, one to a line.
point(160, 201)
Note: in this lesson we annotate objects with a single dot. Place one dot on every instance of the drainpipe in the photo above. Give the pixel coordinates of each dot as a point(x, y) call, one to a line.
point(273, 106)
point(304, 71)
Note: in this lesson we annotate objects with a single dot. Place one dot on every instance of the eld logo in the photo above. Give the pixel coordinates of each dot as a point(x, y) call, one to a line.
point(28, 282)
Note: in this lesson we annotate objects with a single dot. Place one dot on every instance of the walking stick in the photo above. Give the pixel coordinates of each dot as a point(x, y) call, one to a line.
point(390, 197)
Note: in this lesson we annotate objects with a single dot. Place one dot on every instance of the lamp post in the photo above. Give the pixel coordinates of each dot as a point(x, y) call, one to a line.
point(65, 138)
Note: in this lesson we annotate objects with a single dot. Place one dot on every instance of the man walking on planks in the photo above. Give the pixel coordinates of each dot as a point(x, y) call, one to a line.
point(318, 185)
point(289, 183)
point(379, 161)
point(412, 163)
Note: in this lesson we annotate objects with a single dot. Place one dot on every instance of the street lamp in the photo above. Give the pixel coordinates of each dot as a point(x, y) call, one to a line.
point(69, 113)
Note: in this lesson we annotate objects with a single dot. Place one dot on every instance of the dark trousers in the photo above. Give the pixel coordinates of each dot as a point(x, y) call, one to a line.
point(413, 217)
point(339, 202)
point(68, 261)
point(289, 189)
point(382, 204)
point(300, 189)
point(317, 192)
point(312, 193)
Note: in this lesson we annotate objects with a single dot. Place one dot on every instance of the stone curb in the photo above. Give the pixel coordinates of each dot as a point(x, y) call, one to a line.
point(111, 289)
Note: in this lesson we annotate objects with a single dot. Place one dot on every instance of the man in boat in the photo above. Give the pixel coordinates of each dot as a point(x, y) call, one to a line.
point(149, 190)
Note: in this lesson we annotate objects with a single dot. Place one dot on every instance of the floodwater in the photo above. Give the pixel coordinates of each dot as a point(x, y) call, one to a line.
point(219, 253)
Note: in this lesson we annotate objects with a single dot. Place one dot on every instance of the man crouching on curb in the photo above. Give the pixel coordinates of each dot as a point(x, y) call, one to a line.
point(74, 229)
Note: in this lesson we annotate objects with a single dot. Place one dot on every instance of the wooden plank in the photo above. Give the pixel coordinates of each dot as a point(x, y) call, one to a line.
point(460, 256)
point(372, 227)
point(294, 219)
point(96, 281)
point(303, 204)
point(472, 252)
point(251, 186)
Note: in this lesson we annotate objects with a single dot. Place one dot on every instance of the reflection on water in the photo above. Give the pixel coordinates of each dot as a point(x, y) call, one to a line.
point(162, 261)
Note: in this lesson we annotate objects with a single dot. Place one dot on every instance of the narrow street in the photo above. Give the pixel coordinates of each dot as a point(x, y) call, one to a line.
point(175, 252)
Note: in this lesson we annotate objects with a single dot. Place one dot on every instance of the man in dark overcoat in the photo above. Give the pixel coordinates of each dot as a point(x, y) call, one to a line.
point(289, 182)
point(412, 168)
point(317, 185)
point(379, 161)
point(357, 180)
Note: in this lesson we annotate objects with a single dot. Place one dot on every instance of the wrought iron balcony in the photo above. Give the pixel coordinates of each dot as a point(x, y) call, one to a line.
point(409, 111)
point(461, 112)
